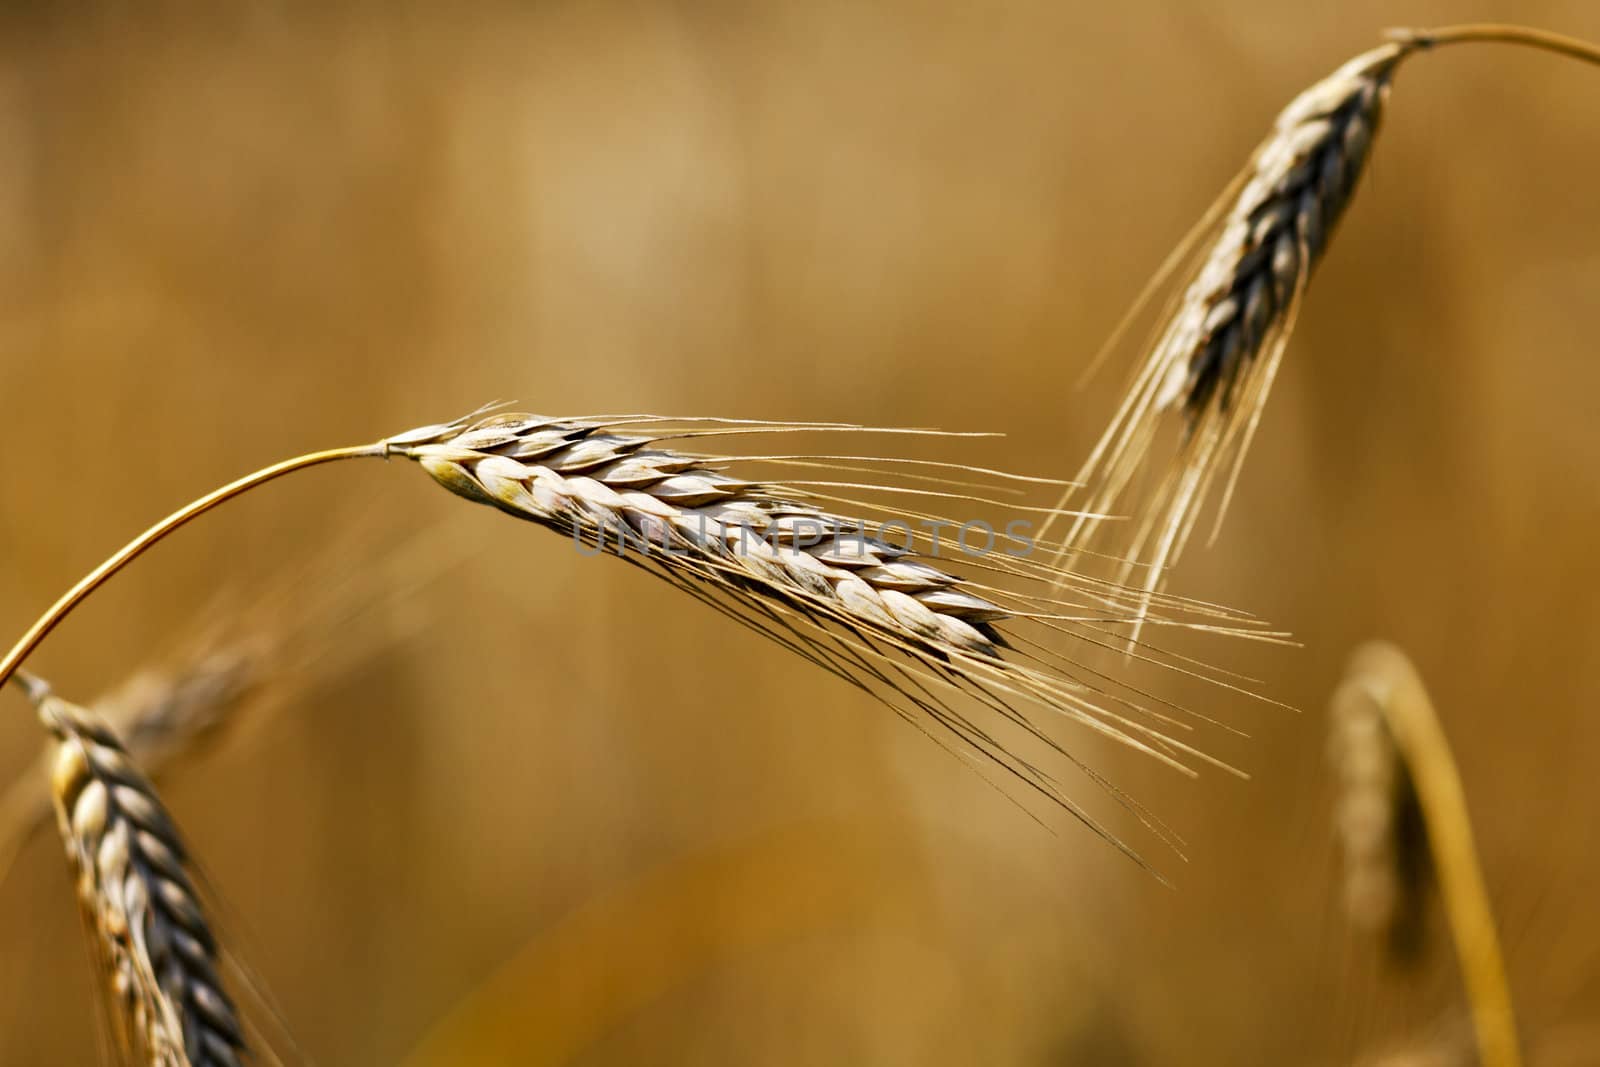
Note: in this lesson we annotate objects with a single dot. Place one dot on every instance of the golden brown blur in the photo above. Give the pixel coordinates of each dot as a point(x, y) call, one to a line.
point(555, 813)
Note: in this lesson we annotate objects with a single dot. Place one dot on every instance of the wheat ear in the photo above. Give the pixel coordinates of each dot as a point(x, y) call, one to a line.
point(1384, 679)
point(768, 553)
point(884, 616)
point(151, 930)
point(1378, 822)
point(1247, 266)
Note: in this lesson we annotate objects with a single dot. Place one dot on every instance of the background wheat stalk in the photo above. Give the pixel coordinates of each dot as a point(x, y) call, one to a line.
point(1380, 827)
point(1246, 265)
point(151, 933)
point(1382, 682)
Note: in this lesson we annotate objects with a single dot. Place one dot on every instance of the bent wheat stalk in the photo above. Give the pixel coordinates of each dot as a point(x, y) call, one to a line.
point(139, 545)
point(770, 552)
point(1384, 679)
point(151, 932)
point(1246, 267)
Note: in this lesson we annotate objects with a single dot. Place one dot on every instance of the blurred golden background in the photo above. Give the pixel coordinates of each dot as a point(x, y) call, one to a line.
point(229, 236)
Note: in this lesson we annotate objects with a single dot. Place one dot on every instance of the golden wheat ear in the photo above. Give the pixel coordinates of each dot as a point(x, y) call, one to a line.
point(1242, 273)
point(784, 543)
point(151, 933)
point(960, 643)
point(1379, 826)
point(1382, 686)
point(1210, 369)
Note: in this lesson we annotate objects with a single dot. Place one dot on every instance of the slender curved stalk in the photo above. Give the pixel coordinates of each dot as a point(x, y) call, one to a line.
point(1397, 689)
point(1499, 33)
point(135, 548)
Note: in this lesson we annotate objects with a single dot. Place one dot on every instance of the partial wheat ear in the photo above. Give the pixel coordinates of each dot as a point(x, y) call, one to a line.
point(875, 608)
point(1213, 363)
point(770, 551)
point(1382, 684)
point(1379, 824)
point(151, 933)
point(158, 716)
point(1245, 270)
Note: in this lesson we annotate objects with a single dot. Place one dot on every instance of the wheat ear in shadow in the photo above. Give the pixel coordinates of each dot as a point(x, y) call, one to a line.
point(1382, 681)
point(1380, 829)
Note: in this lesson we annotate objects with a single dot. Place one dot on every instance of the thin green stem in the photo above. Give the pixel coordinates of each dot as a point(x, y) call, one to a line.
point(135, 548)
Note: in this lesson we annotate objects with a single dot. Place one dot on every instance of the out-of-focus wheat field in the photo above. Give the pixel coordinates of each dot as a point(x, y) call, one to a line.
point(594, 823)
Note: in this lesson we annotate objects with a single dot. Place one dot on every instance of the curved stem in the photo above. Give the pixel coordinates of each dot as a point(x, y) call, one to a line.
point(1499, 33)
point(133, 549)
